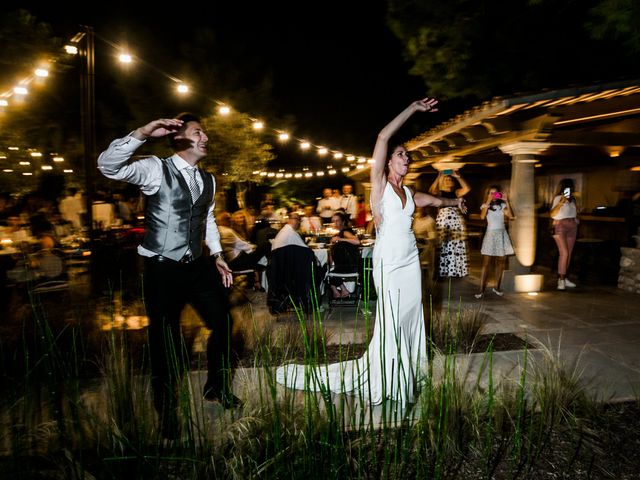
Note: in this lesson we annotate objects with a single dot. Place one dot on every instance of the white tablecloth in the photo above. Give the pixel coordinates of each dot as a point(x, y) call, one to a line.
point(322, 254)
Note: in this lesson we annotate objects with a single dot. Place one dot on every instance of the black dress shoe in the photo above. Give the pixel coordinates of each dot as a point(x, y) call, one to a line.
point(227, 400)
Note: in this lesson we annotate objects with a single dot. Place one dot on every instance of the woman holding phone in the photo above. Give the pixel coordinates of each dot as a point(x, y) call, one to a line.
point(564, 213)
point(451, 225)
point(496, 244)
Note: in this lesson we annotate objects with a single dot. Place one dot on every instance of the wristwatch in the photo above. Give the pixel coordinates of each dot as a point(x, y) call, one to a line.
point(218, 255)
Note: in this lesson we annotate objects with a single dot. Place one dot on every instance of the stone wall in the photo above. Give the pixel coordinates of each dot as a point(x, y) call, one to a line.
point(629, 276)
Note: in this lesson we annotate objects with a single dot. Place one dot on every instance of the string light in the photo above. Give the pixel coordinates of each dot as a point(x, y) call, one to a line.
point(182, 88)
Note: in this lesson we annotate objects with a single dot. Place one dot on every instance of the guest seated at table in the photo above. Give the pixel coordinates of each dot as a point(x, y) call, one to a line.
point(239, 253)
point(288, 235)
point(16, 231)
point(294, 271)
point(48, 262)
point(345, 254)
point(240, 224)
point(267, 210)
point(310, 223)
point(262, 231)
point(341, 222)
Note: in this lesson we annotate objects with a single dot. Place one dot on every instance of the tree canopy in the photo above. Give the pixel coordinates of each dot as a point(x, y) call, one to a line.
point(480, 48)
point(235, 148)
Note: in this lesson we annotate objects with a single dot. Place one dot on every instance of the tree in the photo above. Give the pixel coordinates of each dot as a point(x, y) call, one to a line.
point(617, 19)
point(478, 49)
point(236, 150)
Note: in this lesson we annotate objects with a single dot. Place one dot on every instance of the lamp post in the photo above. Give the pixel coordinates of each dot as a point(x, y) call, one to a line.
point(85, 40)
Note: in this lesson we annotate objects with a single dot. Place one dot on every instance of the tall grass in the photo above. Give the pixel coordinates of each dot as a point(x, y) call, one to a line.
point(464, 424)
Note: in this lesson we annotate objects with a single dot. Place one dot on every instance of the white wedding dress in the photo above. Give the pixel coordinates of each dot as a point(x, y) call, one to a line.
point(397, 349)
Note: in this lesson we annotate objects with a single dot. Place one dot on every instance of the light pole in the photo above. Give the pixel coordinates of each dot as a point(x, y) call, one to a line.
point(85, 40)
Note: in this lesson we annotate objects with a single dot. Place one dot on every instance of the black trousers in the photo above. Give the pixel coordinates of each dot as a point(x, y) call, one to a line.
point(168, 287)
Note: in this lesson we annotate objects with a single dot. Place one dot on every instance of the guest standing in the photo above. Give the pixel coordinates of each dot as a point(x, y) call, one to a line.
point(451, 225)
point(564, 212)
point(496, 244)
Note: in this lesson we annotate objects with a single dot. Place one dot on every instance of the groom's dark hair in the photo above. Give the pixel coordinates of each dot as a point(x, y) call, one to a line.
point(186, 117)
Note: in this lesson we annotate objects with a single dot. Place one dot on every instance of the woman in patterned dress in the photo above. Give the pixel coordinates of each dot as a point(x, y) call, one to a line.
point(451, 226)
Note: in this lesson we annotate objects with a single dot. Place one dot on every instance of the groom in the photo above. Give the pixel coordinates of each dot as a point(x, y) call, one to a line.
point(178, 220)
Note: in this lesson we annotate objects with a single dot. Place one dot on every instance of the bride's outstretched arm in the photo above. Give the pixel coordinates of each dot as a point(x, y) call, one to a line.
point(425, 200)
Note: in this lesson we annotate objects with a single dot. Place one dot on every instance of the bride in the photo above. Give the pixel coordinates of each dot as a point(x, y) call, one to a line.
point(389, 367)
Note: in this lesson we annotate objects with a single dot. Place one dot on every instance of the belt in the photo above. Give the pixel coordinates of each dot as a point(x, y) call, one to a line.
point(189, 258)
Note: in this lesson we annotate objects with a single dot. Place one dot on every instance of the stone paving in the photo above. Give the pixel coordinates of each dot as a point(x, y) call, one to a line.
point(594, 329)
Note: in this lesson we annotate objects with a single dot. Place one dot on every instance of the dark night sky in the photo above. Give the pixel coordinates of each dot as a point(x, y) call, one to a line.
point(338, 73)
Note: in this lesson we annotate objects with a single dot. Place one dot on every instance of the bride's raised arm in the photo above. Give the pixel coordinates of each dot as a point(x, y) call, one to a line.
point(378, 177)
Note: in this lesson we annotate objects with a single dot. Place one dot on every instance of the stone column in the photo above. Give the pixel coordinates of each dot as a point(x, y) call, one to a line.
point(522, 199)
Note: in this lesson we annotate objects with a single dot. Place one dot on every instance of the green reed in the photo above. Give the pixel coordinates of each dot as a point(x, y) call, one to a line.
point(464, 419)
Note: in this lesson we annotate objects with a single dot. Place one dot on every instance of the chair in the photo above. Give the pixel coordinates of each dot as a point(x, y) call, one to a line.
point(247, 276)
point(241, 273)
point(51, 272)
point(344, 270)
point(50, 286)
point(241, 279)
point(292, 274)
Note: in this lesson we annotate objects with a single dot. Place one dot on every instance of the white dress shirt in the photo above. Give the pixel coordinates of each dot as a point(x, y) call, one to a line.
point(326, 207)
point(71, 208)
point(287, 236)
point(146, 173)
point(348, 203)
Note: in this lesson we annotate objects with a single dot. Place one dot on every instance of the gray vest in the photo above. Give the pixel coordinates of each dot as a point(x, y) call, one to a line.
point(172, 223)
